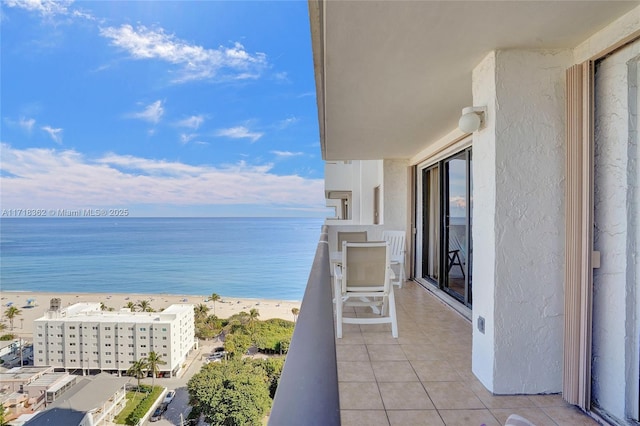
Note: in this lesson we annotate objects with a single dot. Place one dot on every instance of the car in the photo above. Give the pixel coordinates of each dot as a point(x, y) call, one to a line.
point(169, 397)
point(157, 414)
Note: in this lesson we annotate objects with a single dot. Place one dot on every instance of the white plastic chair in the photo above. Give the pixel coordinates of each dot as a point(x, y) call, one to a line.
point(396, 240)
point(363, 279)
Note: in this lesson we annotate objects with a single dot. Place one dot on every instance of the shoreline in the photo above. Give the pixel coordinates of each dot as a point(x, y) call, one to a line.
point(224, 308)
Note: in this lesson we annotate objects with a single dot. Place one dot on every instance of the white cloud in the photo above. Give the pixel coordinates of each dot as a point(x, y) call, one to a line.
point(56, 134)
point(287, 154)
point(52, 179)
point(43, 7)
point(283, 124)
point(151, 113)
point(187, 137)
point(195, 62)
point(192, 122)
point(50, 8)
point(239, 132)
point(27, 123)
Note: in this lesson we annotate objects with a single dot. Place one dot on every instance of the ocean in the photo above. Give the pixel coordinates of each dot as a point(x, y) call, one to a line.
point(265, 258)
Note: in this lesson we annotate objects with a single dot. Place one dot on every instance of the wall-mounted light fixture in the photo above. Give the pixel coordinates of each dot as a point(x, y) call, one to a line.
point(472, 119)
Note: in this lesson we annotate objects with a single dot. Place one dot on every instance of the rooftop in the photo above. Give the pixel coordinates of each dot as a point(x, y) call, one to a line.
point(91, 312)
point(22, 373)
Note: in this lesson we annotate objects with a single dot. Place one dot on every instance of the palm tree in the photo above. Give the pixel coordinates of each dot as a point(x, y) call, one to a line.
point(201, 311)
point(11, 313)
point(138, 369)
point(145, 306)
point(253, 318)
point(103, 307)
point(153, 361)
point(214, 298)
point(131, 306)
point(295, 312)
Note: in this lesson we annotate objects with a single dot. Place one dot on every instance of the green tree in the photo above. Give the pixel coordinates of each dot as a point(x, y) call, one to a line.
point(138, 369)
point(131, 306)
point(232, 393)
point(253, 319)
point(236, 344)
point(295, 312)
point(214, 298)
point(200, 311)
point(3, 412)
point(154, 361)
point(103, 307)
point(145, 306)
point(3, 326)
point(11, 313)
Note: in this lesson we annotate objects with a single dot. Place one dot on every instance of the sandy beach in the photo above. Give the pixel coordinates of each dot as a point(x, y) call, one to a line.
point(224, 308)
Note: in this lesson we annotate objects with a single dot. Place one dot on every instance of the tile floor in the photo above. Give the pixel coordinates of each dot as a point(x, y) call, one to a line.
point(424, 377)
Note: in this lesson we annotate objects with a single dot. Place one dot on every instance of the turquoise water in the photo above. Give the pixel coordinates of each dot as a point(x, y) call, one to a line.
point(266, 258)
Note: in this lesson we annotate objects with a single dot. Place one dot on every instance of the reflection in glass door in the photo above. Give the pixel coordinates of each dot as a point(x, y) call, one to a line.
point(456, 220)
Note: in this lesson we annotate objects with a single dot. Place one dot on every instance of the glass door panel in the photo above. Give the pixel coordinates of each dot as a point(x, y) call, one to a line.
point(431, 224)
point(456, 219)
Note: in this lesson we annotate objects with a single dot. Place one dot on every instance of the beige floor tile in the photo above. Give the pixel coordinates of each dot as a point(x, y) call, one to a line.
point(352, 353)
point(534, 415)
point(360, 396)
point(499, 401)
point(423, 351)
point(363, 417)
point(414, 418)
point(452, 396)
point(569, 415)
point(548, 400)
point(436, 370)
point(393, 371)
point(405, 396)
point(379, 338)
point(350, 338)
point(386, 353)
point(468, 418)
point(355, 371)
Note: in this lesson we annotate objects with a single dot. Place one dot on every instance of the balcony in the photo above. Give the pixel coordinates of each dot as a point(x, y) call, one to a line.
point(422, 378)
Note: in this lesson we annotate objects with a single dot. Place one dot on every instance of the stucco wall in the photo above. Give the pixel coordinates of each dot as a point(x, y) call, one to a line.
point(519, 180)
point(615, 329)
point(395, 195)
point(484, 206)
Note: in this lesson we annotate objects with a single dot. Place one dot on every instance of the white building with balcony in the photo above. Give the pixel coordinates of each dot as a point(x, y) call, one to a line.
point(84, 338)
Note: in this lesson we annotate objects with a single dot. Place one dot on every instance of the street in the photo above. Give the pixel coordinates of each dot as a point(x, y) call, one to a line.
point(180, 404)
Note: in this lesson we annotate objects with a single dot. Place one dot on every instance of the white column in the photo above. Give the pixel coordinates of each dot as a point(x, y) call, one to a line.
point(518, 221)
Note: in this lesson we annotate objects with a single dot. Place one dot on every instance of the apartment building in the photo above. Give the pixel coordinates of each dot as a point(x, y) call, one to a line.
point(84, 338)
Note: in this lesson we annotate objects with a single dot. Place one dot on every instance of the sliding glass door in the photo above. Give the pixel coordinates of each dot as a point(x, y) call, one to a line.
point(446, 225)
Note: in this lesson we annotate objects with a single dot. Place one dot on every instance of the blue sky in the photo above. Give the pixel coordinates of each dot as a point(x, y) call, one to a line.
point(190, 108)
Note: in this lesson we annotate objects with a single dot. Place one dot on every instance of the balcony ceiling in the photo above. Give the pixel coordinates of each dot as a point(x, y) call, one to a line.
point(395, 74)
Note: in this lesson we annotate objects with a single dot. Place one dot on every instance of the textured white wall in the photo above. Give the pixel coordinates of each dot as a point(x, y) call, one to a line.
point(395, 195)
point(615, 329)
point(484, 206)
point(518, 228)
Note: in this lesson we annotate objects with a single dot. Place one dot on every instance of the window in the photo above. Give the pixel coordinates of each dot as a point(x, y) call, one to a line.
point(73, 327)
point(107, 353)
point(131, 353)
point(107, 344)
point(164, 338)
point(108, 328)
point(143, 329)
point(72, 336)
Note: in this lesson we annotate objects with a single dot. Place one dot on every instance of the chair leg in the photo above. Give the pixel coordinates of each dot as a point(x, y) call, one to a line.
point(338, 301)
point(392, 314)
